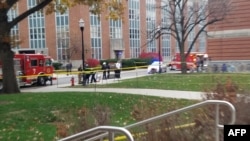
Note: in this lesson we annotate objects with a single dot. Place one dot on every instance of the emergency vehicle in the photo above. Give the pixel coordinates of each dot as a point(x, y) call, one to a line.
point(34, 68)
point(191, 60)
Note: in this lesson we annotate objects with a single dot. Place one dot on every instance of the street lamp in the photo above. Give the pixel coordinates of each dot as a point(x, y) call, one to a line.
point(159, 44)
point(81, 25)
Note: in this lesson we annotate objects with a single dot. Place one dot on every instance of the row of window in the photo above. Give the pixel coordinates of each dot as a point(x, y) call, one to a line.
point(37, 32)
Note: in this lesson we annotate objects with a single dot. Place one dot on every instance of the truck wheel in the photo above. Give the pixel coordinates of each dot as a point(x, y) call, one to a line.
point(41, 81)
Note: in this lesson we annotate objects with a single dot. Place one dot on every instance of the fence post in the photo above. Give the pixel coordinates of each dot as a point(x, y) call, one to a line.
point(217, 131)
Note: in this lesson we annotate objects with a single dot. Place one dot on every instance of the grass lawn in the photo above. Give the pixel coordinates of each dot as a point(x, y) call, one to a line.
point(187, 82)
point(34, 116)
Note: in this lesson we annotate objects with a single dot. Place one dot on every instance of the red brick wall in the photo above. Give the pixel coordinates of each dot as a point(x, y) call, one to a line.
point(229, 49)
point(234, 45)
point(50, 30)
point(23, 26)
point(75, 14)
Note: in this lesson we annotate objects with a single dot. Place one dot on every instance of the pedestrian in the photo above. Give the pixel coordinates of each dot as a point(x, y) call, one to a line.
point(67, 68)
point(80, 74)
point(201, 63)
point(104, 67)
point(92, 74)
point(87, 74)
point(197, 64)
point(108, 70)
point(224, 68)
point(70, 67)
point(118, 69)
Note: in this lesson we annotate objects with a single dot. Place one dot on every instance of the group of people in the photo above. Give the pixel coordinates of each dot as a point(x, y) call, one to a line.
point(106, 70)
point(89, 76)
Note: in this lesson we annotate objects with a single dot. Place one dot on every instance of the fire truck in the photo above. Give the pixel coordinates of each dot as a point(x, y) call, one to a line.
point(31, 68)
point(191, 60)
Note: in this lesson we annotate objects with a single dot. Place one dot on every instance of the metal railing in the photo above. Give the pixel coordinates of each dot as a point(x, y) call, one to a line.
point(218, 126)
point(109, 131)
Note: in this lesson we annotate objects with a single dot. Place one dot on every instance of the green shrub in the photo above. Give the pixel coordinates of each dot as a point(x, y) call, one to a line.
point(108, 61)
point(129, 63)
point(57, 65)
point(141, 61)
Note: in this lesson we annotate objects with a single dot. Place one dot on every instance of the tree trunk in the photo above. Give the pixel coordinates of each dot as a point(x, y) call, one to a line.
point(6, 57)
point(183, 58)
point(183, 64)
point(10, 85)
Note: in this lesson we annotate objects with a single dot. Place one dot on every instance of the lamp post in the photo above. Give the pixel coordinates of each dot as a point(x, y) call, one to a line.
point(159, 48)
point(81, 25)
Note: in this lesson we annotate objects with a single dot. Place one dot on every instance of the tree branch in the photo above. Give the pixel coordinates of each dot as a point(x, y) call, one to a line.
point(28, 12)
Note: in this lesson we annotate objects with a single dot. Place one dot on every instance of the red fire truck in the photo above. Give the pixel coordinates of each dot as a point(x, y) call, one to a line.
point(191, 59)
point(32, 69)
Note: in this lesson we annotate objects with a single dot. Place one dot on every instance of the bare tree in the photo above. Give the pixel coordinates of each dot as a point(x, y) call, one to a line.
point(191, 18)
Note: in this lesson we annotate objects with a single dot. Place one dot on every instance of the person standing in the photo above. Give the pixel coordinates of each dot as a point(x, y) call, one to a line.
point(108, 70)
point(93, 79)
point(197, 64)
point(70, 67)
point(87, 74)
point(104, 67)
point(80, 74)
point(118, 69)
point(67, 68)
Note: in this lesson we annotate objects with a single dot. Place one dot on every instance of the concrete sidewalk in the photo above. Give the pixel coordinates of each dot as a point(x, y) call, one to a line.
point(147, 92)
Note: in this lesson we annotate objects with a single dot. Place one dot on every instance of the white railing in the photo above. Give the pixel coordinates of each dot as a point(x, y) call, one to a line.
point(218, 126)
point(108, 130)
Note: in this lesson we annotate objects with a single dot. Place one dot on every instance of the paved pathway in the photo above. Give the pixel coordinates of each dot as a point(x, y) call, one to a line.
point(151, 92)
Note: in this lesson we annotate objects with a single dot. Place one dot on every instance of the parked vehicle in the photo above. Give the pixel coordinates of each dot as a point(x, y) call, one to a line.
point(31, 69)
point(154, 67)
point(191, 60)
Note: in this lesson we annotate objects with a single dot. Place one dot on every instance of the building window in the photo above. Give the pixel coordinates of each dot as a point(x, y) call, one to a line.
point(95, 34)
point(14, 32)
point(62, 36)
point(134, 28)
point(165, 37)
point(115, 29)
point(151, 25)
point(202, 38)
point(36, 27)
point(202, 42)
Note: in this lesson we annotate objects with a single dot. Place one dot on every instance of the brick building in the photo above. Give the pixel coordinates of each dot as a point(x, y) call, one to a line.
point(59, 35)
point(229, 39)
